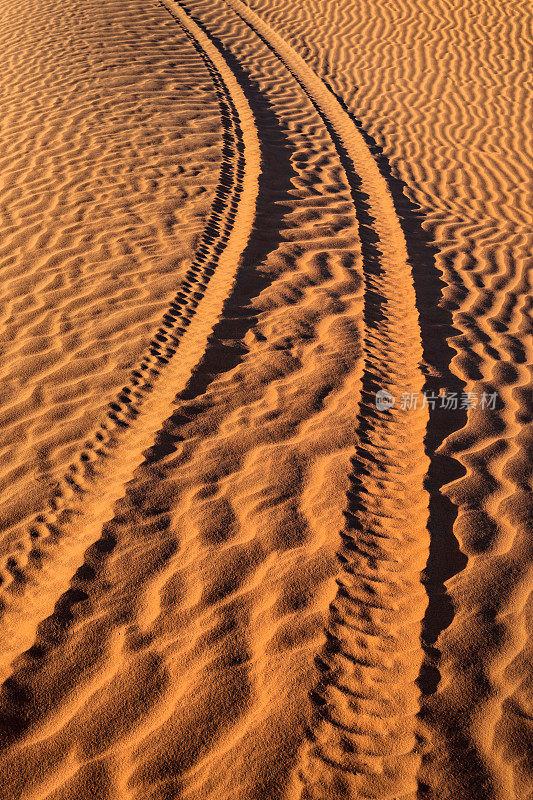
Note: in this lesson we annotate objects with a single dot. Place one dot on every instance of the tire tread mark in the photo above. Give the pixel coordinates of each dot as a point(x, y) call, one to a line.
point(56, 538)
point(373, 653)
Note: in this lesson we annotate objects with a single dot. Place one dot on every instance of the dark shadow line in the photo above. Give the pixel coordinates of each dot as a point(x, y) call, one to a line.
point(225, 349)
point(436, 326)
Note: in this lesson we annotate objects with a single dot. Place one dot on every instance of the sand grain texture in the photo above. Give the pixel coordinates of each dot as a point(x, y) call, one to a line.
point(224, 572)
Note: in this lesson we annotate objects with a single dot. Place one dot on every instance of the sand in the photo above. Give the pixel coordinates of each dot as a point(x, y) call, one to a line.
point(225, 572)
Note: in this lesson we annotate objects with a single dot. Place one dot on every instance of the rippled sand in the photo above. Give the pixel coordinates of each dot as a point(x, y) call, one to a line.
point(224, 571)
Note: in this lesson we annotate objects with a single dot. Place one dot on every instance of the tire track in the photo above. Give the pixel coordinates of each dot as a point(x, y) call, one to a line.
point(372, 655)
point(453, 119)
point(106, 184)
point(307, 272)
point(56, 539)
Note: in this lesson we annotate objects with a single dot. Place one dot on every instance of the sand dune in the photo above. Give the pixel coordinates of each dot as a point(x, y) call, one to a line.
point(225, 571)
point(442, 91)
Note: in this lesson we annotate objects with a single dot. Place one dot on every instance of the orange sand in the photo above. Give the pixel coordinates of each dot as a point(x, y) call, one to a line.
point(224, 573)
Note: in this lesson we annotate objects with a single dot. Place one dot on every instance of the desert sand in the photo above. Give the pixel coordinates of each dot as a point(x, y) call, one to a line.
point(227, 570)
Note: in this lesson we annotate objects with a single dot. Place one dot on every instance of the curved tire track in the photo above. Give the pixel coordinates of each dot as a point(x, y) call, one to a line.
point(372, 656)
point(57, 538)
point(481, 469)
point(363, 736)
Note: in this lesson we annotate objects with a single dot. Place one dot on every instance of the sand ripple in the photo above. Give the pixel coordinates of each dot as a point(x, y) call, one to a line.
point(216, 249)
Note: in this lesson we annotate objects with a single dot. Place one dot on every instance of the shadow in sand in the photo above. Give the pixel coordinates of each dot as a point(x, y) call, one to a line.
point(19, 708)
point(436, 325)
point(226, 346)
